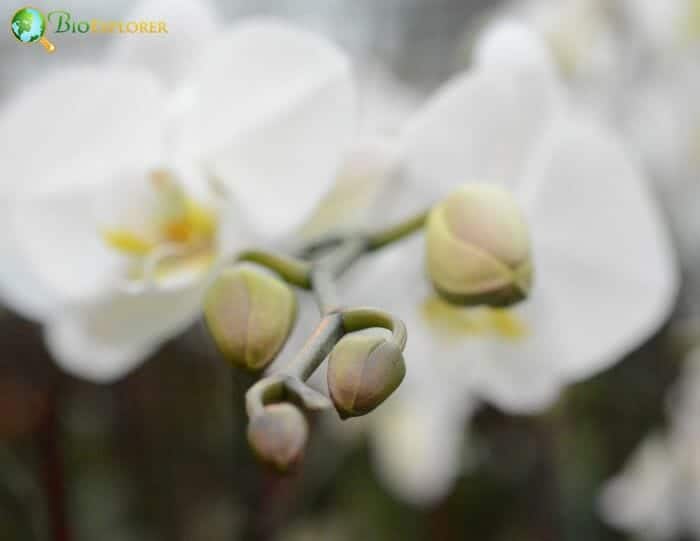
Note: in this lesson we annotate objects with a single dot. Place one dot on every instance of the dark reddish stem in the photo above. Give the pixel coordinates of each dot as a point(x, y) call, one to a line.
point(52, 470)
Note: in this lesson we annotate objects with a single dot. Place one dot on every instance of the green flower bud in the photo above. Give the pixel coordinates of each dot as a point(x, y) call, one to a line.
point(363, 371)
point(278, 435)
point(250, 314)
point(478, 247)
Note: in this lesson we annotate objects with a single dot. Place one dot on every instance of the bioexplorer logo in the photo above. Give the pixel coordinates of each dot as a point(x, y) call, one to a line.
point(29, 25)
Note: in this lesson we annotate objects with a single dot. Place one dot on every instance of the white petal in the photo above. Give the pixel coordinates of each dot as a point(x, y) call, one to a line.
point(660, 120)
point(103, 341)
point(189, 23)
point(272, 116)
point(468, 354)
point(417, 443)
point(659, 23)
point(20, 288)
point(363, 178)
point(114, 118)
point(603, 248)
point(483, 126)
point(508, 44)
point(58, 237)
point(57, 154)
point(385, 103)
point(641, 498)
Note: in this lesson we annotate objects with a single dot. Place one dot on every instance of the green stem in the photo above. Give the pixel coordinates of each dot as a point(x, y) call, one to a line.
point(357, 319)
point(320, 276)
point(316, 348)
point(292, 270)
point(325, 271)
point(383, 237)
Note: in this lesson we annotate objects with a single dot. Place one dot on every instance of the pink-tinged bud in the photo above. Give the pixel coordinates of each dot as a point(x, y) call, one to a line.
point(478, 247)
point(278, 435)
point(250, 314)
point(362, 372)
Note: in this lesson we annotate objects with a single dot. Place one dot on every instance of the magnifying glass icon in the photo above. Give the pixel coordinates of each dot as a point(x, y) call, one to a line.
point(29, 25)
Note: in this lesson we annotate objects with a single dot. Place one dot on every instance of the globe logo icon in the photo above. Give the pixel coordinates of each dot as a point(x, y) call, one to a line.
point(29, 25)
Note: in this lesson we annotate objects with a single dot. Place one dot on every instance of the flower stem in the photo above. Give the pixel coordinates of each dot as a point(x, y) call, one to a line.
point(383, 237)
point(325, 271)
point(316, 348)
point(53, 470)
point(319, 275)
point(295, 271)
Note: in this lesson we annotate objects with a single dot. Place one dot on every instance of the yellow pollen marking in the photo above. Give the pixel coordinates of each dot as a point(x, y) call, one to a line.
point(458, 322)
point(127, 242)
point(193, 226)
point(505, 323)
point(194, 262)
point(202, 220)
point(183, 228)
point(179, 232)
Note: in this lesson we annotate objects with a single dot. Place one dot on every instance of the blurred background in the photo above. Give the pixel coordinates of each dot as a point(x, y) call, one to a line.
point(162, 455)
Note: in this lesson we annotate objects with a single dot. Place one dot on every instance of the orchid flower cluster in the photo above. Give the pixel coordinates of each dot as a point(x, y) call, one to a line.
point(135, 210)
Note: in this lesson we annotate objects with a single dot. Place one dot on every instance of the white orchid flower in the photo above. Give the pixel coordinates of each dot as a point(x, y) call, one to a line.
point(591, 47)
point(598, 240)
point(605, 276)
point(657, 493)
point(583, 35)
point(109, 227)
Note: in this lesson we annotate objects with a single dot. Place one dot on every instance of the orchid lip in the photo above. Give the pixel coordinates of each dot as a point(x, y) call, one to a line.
point(176, 238)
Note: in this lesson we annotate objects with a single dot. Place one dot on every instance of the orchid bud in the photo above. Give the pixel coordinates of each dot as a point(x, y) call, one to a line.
point(250, 314)
point(478, 247)
point(278, 435)
point(363, 371)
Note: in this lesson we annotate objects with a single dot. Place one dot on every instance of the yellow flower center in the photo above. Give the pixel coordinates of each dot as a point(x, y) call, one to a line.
point(181, 232)
point(457, 322)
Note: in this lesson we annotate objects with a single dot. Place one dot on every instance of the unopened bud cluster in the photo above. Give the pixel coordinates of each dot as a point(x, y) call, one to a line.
point(477, 252)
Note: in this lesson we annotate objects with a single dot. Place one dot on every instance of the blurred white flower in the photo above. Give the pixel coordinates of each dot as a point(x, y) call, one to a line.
point(605, 277)
point(587, 44)
point(418, 439)
point(108, 224)
point(598, 240)
point(642, 498)
point(664, 29)
point(661, 121)
point(660, 116)
point(657, 494)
